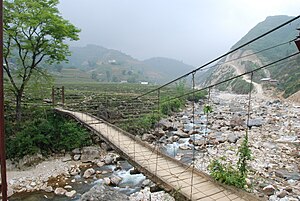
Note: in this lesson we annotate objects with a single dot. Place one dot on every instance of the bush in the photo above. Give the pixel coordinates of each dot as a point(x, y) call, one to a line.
point(168, 107)
point(198, 96)
point(141, 125)
point(45, 135)
point(226, 174)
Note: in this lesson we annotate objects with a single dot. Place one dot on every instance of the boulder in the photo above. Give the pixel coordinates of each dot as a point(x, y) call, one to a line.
point(282, 194)
point(103, 193)
point(254, 122)
point(76, 151)
point(166, 125)
point(76, 157)
point(146, 182)
point(287, 175)
point(181, 134)
point(236, 121)
point(71, 194)
point(185, 147)
point(27, 160)
point(159, 132)
point(66, 158)
point(48, 189)
point(232, 138)
point(108, 159)
point(269, 190)
point(115, 180)
point(60, 191)
point(106, 180)
point(90, 153)
point(148, 137)
point(88, 173)
point(100, 164)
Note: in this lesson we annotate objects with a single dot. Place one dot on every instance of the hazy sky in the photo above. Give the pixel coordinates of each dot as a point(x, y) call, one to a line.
point(193, 31)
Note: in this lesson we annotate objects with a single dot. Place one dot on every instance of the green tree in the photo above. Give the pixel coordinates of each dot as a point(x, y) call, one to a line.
point(34, 32)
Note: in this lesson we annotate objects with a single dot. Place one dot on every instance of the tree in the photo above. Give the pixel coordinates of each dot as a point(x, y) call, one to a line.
point(34, 32)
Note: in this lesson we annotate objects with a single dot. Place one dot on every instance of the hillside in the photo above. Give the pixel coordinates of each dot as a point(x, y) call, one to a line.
point(286, 74)
point(167, 67)
point(107, 65)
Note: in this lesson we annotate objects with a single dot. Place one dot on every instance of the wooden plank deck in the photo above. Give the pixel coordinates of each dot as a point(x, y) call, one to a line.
point(170, 173)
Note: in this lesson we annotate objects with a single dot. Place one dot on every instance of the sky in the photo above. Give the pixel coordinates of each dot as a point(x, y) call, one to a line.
point(191, 31)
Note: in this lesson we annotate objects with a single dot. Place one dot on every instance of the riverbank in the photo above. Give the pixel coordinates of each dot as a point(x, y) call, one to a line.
point(274, 139)
point(82, 175)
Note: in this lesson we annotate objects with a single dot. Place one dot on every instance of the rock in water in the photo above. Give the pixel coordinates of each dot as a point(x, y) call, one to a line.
point(103, 193)
point(115, 180)
point(71, 194)
point(88, 173)
point(60, 191)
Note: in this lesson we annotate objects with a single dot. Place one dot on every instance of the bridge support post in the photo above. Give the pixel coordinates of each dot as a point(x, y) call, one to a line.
point(158, 111)
point(2, 134)
point(194, 139)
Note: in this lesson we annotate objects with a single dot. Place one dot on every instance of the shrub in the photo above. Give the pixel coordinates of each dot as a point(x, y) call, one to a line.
point(45, 135)
point(230, 175)
point(198, 96)
point(168, 107)
point(226, 174)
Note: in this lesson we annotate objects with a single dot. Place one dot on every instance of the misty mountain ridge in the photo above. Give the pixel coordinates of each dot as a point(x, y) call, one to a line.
point(108, 65)
point(286, 75)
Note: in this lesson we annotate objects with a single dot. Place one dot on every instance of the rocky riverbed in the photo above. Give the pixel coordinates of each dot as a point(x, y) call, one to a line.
point(86, 174)
point(274, 139)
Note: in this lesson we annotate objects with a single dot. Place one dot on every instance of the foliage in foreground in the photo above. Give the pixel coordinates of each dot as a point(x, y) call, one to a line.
point(230, 175)
point(45, 134)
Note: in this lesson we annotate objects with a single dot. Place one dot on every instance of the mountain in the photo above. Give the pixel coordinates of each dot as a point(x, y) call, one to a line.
point(168, 67)
point(259, 53)
point(108, 65)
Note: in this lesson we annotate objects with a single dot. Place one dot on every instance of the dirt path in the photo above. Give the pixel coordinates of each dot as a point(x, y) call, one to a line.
point(258, 88)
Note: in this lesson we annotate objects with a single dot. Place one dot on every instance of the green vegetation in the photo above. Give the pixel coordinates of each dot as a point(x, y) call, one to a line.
point(228, 174)
point(287, 73)
point(34, 32)
point(141, 125)
point(240, 86)
point(244, 155)
point(258, 75)
point(207, 109)
point(198, 96)
point(47, 133)
point(108, 65)
point(167, 107)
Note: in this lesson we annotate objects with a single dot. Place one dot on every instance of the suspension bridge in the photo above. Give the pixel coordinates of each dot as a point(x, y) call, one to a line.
point(185, 180)
point(168, 173)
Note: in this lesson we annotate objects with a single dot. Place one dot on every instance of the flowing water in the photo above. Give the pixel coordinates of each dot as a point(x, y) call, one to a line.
point(128, 185)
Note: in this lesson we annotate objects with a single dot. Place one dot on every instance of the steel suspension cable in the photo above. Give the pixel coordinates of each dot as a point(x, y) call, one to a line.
point(237, 76)
point(229, 52)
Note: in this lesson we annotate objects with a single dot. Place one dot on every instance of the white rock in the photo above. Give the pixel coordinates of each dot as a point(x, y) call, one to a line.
point(71, 193)
point(89, 172)
point(60, 191)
